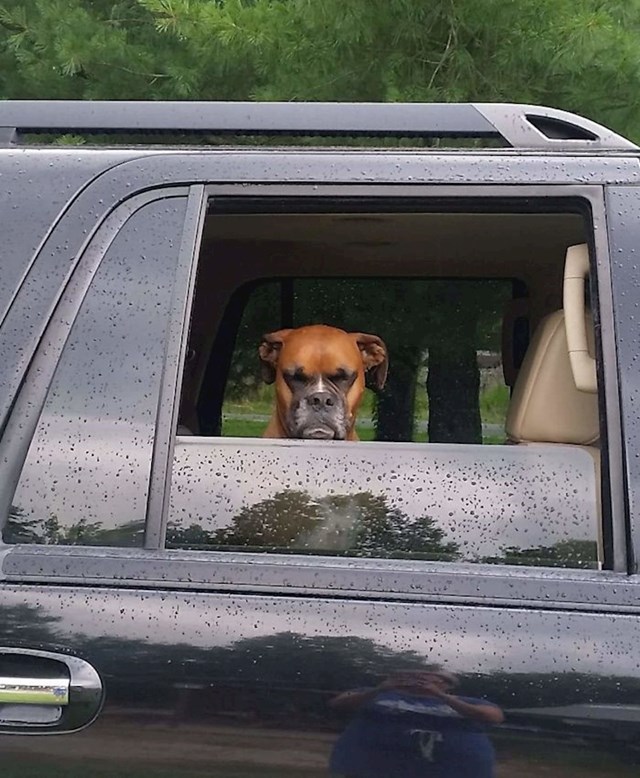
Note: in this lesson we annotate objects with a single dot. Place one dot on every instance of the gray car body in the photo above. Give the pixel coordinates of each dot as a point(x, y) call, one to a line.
point(175, 635)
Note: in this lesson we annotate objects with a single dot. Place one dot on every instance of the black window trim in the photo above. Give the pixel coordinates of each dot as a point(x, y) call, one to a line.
point(558, 589)
point(623, 222)
point(171, 381)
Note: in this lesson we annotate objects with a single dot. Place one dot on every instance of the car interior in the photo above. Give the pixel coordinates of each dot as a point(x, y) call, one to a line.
point(238, 249)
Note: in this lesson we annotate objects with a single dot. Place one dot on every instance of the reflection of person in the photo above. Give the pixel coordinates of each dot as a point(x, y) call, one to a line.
point(412, 726)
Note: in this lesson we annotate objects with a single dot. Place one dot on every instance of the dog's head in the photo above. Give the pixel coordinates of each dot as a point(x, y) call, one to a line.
point(319, 373)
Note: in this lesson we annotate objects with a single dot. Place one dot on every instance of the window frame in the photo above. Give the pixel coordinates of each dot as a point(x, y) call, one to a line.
point(614, 531)
point(623, 225)
point(354, 577)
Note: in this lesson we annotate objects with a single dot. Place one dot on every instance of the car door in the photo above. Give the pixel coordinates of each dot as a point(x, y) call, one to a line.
point(231, 662)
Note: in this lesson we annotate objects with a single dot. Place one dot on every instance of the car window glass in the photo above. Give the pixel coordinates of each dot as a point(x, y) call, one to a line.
point(85, 478)
point(477, 446)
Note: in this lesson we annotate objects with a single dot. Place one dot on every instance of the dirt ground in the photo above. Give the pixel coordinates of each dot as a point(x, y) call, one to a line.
point(122, 748)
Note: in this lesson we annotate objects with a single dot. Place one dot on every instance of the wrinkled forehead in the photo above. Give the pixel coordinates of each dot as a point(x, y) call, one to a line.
point(322, 354)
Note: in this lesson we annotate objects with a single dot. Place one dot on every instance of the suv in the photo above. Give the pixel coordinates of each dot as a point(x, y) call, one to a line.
point(454, 594)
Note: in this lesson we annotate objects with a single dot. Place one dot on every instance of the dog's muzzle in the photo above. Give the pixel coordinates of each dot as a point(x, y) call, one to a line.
point(319, 414)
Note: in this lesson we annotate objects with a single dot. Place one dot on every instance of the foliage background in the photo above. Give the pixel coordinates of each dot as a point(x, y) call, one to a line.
point(580, 55)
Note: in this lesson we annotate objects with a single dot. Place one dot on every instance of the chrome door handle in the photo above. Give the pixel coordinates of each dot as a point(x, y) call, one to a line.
point(42, 691)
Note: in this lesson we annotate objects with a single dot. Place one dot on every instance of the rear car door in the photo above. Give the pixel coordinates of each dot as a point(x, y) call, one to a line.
point(198, 660)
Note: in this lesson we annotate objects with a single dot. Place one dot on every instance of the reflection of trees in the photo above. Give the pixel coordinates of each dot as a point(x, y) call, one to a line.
point(27, 625)
point(290, 660)
point(565, 553)
point(21, 528)
point(288, 676)
point(276, 521)
point(280, 676)
point(361, 523)
point(536, 690)
point(321, 662)
point(82, 533)
point(291, 675)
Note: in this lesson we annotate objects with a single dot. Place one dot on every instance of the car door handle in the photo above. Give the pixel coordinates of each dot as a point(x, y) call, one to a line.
point(46, 692)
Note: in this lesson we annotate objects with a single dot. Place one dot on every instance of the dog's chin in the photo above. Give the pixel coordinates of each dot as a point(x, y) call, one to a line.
point(318, 433)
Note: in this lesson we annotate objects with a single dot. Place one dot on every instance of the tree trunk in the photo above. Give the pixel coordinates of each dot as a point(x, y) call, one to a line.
point(395, 405)
point(453, 388)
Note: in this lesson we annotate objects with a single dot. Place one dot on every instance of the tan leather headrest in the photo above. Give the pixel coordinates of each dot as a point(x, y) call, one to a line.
point(545, 406)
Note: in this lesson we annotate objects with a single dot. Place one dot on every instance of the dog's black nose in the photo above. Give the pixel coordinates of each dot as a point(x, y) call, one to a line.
point(321, 400)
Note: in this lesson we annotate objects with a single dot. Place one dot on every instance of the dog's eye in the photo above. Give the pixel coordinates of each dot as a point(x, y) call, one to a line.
point(341, 377)
point(295, 377)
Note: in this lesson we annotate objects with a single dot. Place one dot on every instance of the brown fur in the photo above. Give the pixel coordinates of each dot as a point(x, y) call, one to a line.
point(320, 350)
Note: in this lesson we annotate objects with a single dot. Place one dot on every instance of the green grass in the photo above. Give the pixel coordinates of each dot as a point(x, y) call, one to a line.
point(34, 697)
point(494, 403)
point(242, 428)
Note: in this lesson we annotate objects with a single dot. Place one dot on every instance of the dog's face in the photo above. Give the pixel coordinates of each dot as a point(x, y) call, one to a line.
point(319, 374)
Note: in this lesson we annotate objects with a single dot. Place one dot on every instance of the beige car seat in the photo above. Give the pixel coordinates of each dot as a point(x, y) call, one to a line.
point(546, 407)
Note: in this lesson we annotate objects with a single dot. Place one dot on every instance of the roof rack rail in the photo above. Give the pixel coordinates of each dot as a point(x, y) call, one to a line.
point(519, 126)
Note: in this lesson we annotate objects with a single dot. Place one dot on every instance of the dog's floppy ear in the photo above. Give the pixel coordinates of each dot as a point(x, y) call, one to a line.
point(269, 353)
point(374, 357)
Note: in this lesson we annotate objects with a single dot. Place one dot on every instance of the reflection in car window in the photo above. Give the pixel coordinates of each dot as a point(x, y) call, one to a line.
point(86, 475)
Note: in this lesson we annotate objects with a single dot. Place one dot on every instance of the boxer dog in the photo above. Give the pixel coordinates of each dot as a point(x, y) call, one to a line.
point(319, 373)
